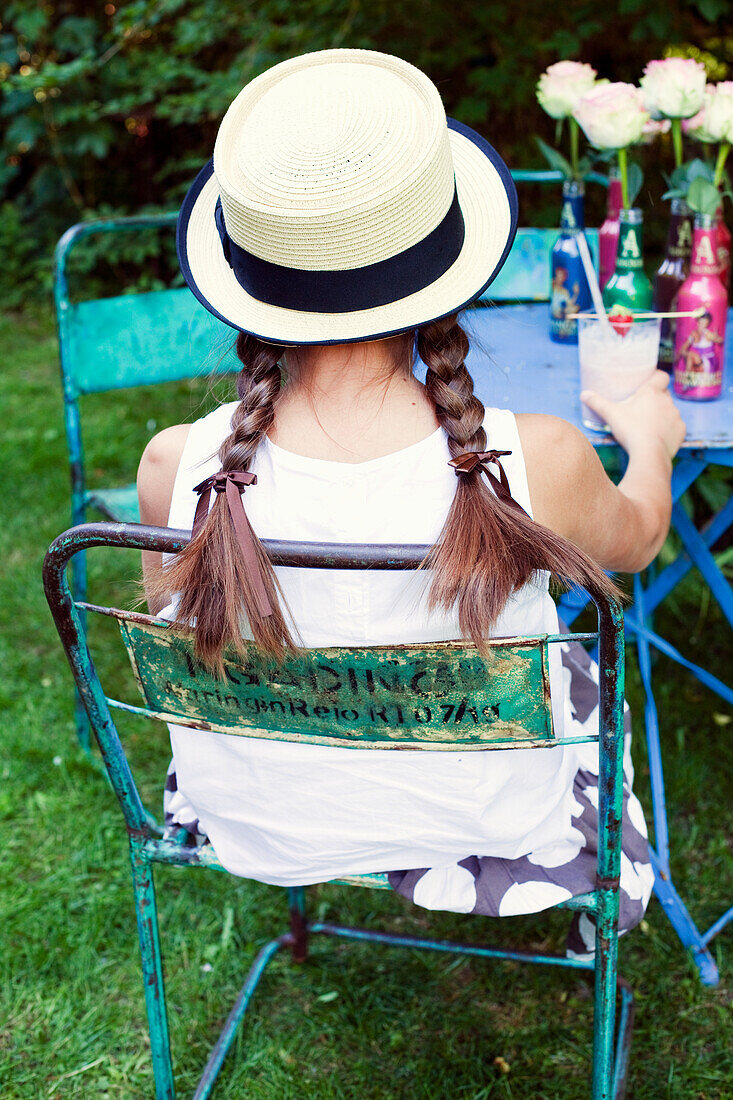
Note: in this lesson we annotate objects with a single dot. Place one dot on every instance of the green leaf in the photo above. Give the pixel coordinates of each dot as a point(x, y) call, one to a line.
point(678, 178)
point(702, 197)
point(23, 130)
point(585, 166)
point(555, 159)
point(699, 169)
point(712, 9)
point(31, 23)
point(76, 34)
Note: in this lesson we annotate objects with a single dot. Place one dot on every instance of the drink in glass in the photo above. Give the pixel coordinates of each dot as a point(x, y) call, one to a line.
point(615, 363)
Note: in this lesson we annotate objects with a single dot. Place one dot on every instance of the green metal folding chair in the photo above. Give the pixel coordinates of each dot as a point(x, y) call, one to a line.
point(390, 697)
point(111, 344)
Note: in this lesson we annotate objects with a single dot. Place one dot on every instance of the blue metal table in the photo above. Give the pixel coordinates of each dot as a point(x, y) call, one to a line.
point(515, 365)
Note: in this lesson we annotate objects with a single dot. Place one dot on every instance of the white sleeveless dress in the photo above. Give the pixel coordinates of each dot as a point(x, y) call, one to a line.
point(294, 814)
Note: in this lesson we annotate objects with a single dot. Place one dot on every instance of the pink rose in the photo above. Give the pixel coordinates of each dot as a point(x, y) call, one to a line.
point(718, 121)
point(612, 115)
point(561, 86)
point(674, 87)
point(695, 127)
point(653, 127)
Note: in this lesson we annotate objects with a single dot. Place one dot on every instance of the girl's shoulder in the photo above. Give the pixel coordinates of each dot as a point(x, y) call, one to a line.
point(157, 471)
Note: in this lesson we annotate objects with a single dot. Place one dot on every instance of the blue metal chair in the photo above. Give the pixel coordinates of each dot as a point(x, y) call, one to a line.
point(505, 703)
point(111, 344)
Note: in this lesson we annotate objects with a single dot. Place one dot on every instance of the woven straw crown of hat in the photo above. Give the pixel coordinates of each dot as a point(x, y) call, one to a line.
point(340, 206)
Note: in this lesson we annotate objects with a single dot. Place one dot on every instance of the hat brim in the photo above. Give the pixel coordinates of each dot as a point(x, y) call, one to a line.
point(488, 201)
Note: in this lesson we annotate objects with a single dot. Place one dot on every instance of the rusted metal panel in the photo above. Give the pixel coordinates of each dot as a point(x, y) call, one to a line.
point(439, 694)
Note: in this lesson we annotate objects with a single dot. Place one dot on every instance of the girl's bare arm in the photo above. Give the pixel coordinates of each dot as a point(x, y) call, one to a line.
point(155, 479)
point(622, 527)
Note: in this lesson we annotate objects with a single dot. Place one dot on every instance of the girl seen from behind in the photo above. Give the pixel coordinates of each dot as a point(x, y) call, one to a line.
point(341, 226)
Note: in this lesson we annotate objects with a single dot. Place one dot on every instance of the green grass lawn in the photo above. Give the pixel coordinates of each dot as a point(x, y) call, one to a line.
point(352, 1022)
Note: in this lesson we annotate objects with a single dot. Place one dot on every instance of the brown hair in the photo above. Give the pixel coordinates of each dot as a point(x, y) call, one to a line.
point(210, 575)
point(487, 548)
point(486, 551)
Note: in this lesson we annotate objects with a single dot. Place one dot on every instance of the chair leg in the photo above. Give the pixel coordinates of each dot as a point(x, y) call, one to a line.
point(604, 1014)
point(298, 923)
point(152, 965)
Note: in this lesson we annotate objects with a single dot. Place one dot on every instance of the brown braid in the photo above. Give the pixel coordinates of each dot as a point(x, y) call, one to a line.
point(215, 587)
point(258, 387)
point(443, 347)
point(487, 549)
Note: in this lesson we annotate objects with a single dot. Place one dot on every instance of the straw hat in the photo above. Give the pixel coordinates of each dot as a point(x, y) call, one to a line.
point(339, 206)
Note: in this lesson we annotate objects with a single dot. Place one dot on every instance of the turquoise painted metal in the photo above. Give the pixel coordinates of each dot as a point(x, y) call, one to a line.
point(120, 342)
point(610, 1055)
point(525, 276)
point(436, 696)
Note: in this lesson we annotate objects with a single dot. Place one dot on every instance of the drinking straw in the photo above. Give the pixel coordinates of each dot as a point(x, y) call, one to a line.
point(649, 316)
point(590, 274)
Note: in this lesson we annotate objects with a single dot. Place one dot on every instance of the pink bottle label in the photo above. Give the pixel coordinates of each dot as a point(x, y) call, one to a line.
point(608, 247)
point(699, 342)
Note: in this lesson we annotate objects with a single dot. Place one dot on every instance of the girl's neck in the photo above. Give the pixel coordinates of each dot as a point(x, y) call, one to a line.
point(352, 402)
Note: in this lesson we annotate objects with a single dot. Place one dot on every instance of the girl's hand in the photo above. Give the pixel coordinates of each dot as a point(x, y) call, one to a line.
point(648, 416)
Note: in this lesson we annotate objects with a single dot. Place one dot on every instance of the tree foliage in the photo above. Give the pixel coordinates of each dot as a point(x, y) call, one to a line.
point(112, 107)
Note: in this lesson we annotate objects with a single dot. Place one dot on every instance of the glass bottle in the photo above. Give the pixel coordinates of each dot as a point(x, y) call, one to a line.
point(629, 285)
point(569, 290)
point(608, 233)
point(723, 248)
point(700, 341)
point(670, 276)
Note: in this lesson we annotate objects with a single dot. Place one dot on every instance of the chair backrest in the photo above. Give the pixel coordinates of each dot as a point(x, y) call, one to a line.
point(525, 275)
point(133, 339)
point(125, 341)
point(432, 696)
point(441, 695)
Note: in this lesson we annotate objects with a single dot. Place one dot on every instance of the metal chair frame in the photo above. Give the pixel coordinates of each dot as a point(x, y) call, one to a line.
point(639, 620)
point(116, 343)
point(610, 1058)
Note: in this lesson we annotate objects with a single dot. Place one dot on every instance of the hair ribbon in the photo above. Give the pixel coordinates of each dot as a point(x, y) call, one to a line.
point(481, 460)
point(233, 483)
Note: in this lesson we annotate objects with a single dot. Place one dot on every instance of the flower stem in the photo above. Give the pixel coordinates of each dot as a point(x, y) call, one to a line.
point(677, 141)
point(720, 163)
point(624, 178)
point(574, 146)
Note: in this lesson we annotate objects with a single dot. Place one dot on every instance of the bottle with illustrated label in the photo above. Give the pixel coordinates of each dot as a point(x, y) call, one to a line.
point(670, 277)
point(629, 285)
point(723, 241)
point(700, 341)
point(569, 290)
point(608, 233)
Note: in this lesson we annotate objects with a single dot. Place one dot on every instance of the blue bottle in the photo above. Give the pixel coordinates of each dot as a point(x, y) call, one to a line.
point(569, 290)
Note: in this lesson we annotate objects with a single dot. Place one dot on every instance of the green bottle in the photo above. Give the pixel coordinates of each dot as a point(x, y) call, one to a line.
point(629, 285)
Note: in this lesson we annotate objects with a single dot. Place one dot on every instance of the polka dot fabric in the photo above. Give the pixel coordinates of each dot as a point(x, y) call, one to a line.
point(494, 887)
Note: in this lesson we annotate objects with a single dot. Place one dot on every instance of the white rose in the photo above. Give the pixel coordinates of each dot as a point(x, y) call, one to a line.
point(612, 115)
point(674, 87)
point(718, 121)
point(562, 85)
point(696, 127)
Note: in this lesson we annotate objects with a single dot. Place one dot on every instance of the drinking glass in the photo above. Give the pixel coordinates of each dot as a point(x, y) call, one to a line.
point(614, 364)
